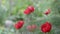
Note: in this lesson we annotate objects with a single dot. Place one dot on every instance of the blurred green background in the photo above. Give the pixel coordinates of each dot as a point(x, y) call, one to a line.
point(14, 9)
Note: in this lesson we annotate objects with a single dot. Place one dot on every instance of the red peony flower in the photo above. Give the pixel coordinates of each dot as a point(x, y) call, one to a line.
point(47, 12)
point(31, 28)
point(46, 27)
point(34, 26)
point(29, 10)
point(16, 26)
point(19, 24)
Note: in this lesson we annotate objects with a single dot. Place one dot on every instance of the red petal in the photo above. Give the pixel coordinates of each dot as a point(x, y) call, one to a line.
point(27, 11)
point(46, 27)
point(31, 8)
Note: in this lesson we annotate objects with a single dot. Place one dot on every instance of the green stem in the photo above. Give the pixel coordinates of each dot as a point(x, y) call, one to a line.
point(44, 33)
point(29, 32)
point(17, 32)
point(33, 32)
point(48, 33)
point(21, 32)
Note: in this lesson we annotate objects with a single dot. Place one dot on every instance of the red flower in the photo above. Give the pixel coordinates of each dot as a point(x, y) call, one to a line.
point(34, 26)
point(16, 26)
point(46, 27)
point(29, 10)
point(19, 24)
point(47, 12)
point(31, 28)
